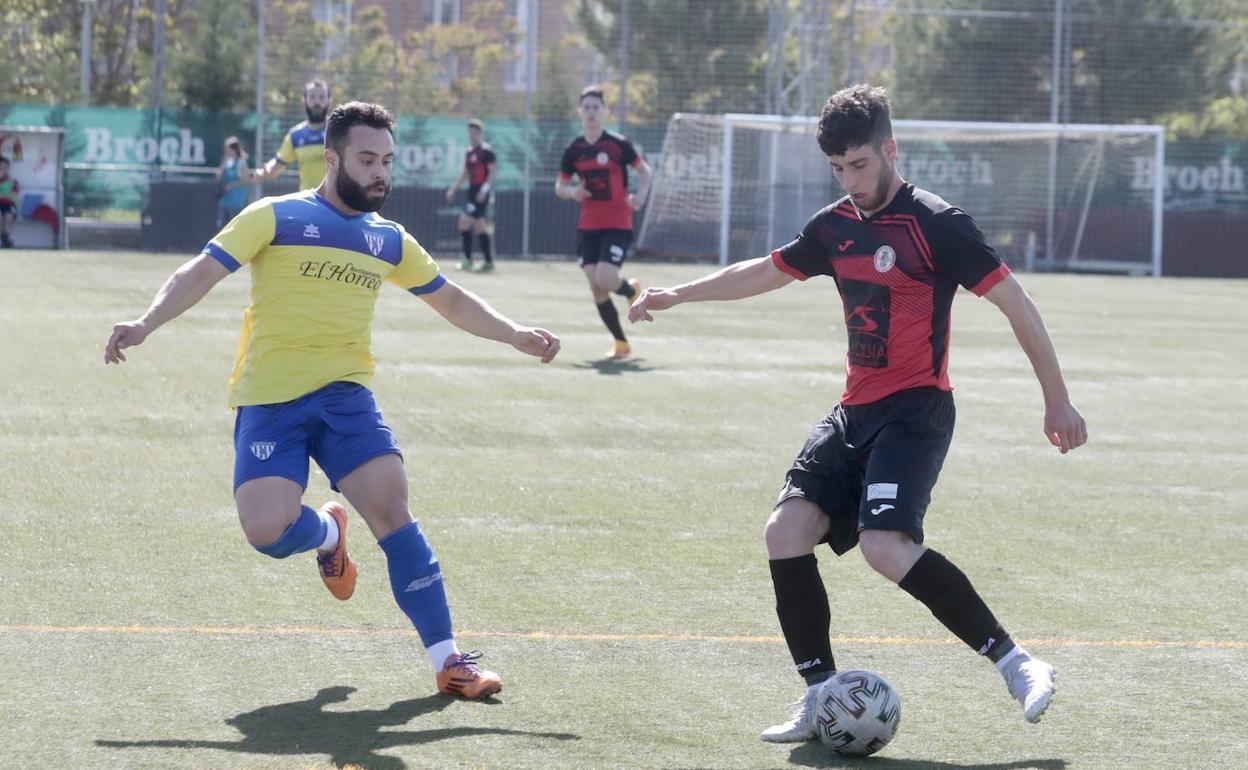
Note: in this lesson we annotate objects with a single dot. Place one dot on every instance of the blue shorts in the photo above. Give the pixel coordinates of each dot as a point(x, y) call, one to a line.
point(339, 426)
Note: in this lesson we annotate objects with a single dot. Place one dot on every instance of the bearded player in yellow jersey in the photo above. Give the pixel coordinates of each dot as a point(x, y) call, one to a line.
point(301, 381)
point(304, 143)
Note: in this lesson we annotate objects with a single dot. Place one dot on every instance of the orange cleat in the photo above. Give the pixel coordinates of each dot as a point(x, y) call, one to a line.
point(461, 676)
point(621, 351)
point(337, 566)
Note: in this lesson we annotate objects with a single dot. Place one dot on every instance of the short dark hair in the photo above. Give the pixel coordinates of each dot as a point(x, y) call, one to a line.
point(477, 124)
point(595, 91)
point(3, 159)
point(308, 86)
point(853, 117)
point(344, 116)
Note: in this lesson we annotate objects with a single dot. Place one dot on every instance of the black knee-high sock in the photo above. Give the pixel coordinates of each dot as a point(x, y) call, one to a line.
point(948, 593)
point(626, 289)
point(611, 318)
point(484, 240)
point(802, 606)
point(466, 237)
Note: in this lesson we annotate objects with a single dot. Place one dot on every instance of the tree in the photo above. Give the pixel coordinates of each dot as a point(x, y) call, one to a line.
point(459, 67)
point(366, 67)
point(294, 43)
point(39, 37)
point(699, 55)
point(1129, 61)
point(212, 66)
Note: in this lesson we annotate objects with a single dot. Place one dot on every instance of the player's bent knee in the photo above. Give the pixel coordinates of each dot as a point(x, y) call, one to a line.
point(889, 553)
point(790, 533)
point(264, 531)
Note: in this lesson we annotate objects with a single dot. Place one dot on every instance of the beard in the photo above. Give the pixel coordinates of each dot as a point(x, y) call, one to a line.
point(356, 195)
point(316, 114)
point(876, 201)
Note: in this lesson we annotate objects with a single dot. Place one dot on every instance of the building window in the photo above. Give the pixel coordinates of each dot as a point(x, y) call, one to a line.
point(516, 76)
point(441, 12)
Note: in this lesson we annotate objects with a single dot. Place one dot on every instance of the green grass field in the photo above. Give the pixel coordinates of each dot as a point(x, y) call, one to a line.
point(599, 527)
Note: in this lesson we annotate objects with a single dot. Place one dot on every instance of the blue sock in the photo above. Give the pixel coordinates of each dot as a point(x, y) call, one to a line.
point(303, 534)
point(416, 580)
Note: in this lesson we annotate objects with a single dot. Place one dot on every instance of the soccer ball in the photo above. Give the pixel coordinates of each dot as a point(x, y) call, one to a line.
point(856, 713)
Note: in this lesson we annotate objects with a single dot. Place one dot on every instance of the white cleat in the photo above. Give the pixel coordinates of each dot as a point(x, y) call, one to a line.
point(801, 726)
point(1031, 682)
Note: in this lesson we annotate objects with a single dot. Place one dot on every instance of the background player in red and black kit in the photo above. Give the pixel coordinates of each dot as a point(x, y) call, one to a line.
point(865, 475)
point(601, 160)
point(480, 171)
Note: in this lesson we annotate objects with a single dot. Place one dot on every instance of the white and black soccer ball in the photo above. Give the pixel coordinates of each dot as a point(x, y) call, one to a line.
point(856, 713)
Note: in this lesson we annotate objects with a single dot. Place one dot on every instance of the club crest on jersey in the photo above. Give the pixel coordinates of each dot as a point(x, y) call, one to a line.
point(602, 159)
point(375, 242)
point(885, 258)
point(263, 450)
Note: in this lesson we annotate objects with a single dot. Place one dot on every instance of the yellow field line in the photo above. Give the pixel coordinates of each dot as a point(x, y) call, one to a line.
point(1201, 644)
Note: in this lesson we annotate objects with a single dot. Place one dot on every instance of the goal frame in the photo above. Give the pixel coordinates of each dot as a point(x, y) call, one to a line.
point(1060, 130)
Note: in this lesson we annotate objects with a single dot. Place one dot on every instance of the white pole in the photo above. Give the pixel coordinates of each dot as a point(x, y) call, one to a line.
point(725, 192)
point(84, 55)
point(1159, 198)
point(258, 150)
point(530, 79)
point(1050, 226)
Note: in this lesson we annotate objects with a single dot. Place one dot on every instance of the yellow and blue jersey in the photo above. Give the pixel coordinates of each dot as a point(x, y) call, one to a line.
point(315, 274)
point(305, 146)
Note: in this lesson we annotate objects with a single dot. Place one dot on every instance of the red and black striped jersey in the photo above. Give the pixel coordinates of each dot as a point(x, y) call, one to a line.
point(477, 162)
point(603, 169)
point(897, 272)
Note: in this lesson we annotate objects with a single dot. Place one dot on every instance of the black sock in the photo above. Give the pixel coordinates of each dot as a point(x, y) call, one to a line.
point(484, 240)
point(626, 289)
point(612, 319)
point(466, 237)
point(802, 606)
point(948, 593)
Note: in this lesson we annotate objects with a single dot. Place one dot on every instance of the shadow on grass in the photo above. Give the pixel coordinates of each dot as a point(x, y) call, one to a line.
point(614, 366)
point(814, 754)
point(346, 737)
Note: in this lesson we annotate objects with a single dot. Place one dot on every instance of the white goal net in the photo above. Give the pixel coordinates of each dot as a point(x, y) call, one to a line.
point(1048, 196)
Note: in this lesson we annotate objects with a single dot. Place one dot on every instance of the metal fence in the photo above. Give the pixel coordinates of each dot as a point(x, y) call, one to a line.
point(220, 67)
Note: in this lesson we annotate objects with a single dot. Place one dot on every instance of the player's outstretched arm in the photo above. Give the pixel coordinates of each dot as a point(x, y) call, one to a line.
point(744, 279)
point(454, 188)
point(565, 189)
point(272, 167)
point(1064, 427)
point(188, 285)
point(644, 177)
point(472, 314)
point(491, 175)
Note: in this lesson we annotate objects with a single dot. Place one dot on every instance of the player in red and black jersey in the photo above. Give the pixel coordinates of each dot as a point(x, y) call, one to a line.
point(864, 477)
point(480, 171)
point(601, 159)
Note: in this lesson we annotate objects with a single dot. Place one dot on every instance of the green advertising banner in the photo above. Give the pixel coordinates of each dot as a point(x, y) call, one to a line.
point(112, 152)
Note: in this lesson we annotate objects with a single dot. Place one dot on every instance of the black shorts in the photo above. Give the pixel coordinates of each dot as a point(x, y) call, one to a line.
point(474, 209)
point(873, 466)
point(594, 246)
point(6, 207)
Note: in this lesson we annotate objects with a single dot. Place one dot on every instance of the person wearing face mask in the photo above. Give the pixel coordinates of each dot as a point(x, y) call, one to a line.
point(304, 143)
point(301, 381)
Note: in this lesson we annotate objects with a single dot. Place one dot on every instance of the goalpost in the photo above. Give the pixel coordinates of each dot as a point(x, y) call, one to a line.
point(1048, 196)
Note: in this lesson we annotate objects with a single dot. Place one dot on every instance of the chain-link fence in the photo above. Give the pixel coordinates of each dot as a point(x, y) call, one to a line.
point(148, 90)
